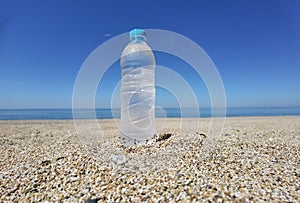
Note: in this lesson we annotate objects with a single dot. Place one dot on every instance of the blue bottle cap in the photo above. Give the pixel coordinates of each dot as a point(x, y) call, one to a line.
point(137, 33)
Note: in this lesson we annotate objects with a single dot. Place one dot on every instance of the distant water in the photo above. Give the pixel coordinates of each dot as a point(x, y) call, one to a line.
point(43, 114)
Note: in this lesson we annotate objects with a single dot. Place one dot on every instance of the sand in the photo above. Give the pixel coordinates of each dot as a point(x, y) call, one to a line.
point(254, 159)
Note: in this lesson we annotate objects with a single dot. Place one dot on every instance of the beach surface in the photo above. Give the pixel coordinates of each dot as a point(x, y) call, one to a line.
point(253, 159)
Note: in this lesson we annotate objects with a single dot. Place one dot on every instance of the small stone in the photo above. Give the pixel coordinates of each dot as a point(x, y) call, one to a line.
point(46, 162)
point(178, 175)
point(74, 179)
point(61, 157)
point(202, 134)
point(119, 159)
point(23, 152)
point(163, 137)
point(91, 201)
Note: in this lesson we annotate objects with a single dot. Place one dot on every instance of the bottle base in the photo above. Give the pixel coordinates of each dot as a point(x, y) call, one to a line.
point(127, 141)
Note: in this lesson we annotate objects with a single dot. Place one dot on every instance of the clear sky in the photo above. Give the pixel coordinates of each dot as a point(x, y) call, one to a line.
point(254, 44)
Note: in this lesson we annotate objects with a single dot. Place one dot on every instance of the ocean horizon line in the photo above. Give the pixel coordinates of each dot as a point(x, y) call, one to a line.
point(233, 107)
point(107, 113)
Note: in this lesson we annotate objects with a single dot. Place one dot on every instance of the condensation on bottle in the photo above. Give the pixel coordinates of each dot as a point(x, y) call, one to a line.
point(137, 124)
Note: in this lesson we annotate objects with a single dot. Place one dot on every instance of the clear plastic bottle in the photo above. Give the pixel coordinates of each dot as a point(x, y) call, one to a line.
point(137, 91)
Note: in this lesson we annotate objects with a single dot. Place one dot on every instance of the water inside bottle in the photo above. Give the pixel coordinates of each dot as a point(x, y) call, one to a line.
point(137, 95)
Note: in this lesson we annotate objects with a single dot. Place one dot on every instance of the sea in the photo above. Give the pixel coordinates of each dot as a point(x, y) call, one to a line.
point(106, 113)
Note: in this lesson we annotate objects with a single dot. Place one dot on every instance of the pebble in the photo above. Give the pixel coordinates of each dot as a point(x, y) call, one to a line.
point(91, 201)
point(23, 152)
point(119, 158)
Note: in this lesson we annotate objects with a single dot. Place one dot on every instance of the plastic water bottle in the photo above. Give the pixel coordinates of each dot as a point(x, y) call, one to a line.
point(137, 91)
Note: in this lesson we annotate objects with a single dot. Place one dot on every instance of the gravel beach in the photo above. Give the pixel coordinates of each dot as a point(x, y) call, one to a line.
point(256, 159)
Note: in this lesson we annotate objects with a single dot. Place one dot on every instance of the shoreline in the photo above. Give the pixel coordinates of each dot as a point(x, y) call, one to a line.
point(157, 118)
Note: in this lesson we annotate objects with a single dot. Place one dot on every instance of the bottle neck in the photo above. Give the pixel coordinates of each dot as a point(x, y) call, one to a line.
point(138, 38)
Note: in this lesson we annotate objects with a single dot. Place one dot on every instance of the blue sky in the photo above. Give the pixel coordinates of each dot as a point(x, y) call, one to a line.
point(254, 44)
